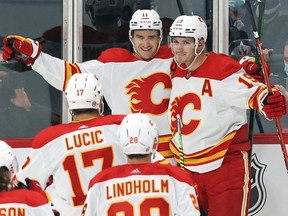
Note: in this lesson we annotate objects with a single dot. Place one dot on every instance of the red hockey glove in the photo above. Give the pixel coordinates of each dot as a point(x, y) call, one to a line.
point(30, 185)
point(20, 48)
point(274, 105)
point(35, 186)
point(252, 68)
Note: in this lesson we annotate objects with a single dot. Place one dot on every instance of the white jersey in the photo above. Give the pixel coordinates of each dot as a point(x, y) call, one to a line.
point(128, 87)
point(73, 153)
point(212, 105)
point(24, 202)
point(142, 190)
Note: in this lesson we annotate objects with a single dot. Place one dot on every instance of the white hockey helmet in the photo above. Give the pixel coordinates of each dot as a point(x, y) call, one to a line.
point(84, 92)
point(8, 159)
point(145, 20)
point(189, 26)
point(138, 134)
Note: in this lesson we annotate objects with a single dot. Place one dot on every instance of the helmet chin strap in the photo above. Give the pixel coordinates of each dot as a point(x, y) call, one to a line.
point(136, 52)
point(196, 56)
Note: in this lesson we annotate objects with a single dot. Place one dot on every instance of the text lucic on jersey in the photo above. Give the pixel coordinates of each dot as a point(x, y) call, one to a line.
point(84, 139)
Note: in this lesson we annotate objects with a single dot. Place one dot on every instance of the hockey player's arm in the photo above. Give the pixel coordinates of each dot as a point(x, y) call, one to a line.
point(187, 200)
point(57, 72)
point(29, 51)
point(91, 205)
point(38, 166)
point(252, 94)
point(253, 68)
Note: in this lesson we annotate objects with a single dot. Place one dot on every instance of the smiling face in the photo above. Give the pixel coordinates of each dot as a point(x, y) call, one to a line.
point(145, 43)
point(183, 49)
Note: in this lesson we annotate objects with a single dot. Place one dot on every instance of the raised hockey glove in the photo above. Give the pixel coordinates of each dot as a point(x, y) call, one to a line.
point(20, 48)
point(274, 105)
point(252, 68)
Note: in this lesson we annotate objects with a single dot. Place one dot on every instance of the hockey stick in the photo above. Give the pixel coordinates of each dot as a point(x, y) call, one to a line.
point(181, 153)
point(180, 7)
point(267, 80)
point(253, 112)
point(261, 4)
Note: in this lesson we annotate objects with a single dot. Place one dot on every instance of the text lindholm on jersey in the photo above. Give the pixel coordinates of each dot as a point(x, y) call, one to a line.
point(136, 187)
point(84, 139)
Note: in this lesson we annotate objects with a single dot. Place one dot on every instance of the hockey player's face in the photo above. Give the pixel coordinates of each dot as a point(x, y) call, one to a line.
point(183, 49)
point(146, 43)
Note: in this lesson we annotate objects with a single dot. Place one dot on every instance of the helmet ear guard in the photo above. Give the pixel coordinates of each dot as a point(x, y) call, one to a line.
point(201, 42)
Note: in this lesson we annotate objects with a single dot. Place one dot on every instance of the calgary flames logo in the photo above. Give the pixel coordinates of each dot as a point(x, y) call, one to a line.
point(142, 90)
point(177, 107)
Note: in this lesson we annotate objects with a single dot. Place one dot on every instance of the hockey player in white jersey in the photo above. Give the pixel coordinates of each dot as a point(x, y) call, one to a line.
point(133, 82)
point(73, 153)
point(18, 201)
point(211, 94)
point(140, 187)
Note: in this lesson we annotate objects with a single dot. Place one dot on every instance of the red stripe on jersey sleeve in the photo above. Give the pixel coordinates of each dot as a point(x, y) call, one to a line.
point(23, 196)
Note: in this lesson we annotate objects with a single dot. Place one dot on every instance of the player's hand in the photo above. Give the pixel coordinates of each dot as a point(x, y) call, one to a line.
point(30, 185)
point(34, 185)
point(252, 68)
point(20, 48)
point(274, 105)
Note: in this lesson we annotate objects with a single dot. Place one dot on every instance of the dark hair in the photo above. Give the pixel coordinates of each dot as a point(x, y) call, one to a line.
point(5, 181)
point(81, 111)
point(137, 156)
